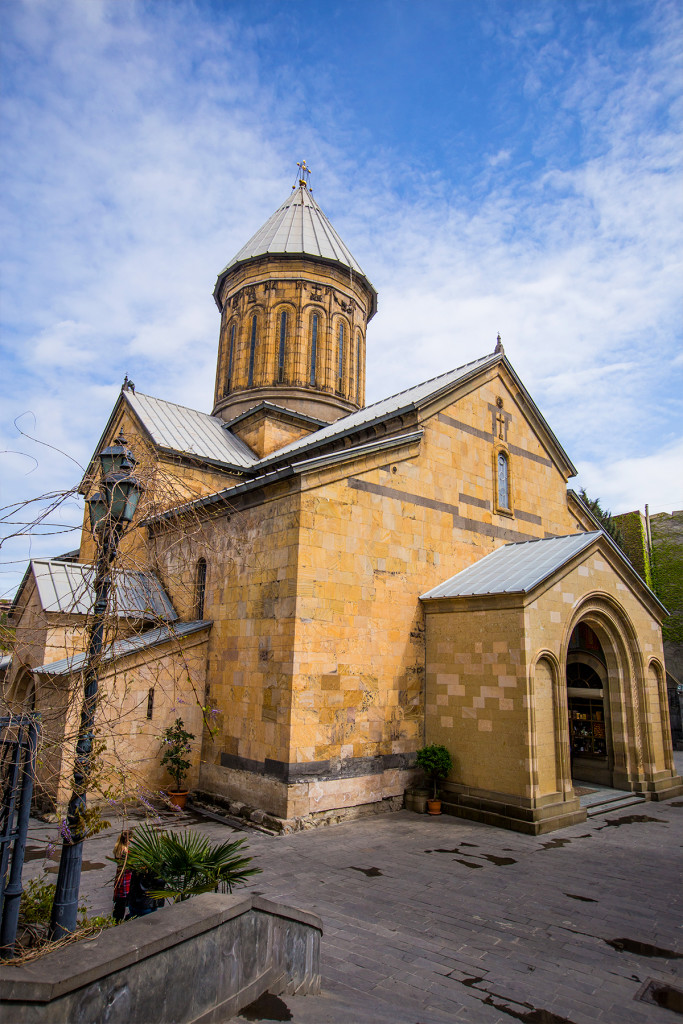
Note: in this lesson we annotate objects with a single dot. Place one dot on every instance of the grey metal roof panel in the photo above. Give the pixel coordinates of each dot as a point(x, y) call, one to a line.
point(298, 226)
point(409, 398)
point(67, 587)
point(513, 568)
point(122, 648)
point(189, 431)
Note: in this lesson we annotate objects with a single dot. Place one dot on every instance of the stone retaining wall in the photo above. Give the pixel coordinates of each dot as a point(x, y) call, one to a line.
point(197, 962)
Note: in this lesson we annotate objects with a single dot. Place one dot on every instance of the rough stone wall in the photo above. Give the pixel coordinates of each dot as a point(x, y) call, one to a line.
point(251, 560)
point(477, 696)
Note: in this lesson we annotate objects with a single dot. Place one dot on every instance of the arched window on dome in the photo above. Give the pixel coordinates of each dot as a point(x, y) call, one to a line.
point(200, 588)
point(503, 490)
point(281, 351)
point(314, 348)
point(252, 349)
point(359, 346)
point(231, 352)
point(340, 360)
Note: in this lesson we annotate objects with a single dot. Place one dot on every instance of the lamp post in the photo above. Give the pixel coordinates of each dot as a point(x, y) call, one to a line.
point(111, 511)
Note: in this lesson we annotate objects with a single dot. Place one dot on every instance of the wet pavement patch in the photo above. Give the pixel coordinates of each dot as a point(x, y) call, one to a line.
point(555, 844)
point(39, 853)
point(661, 994)
point(266, 1007)
point(631, 819)
point(467, 863)
point(368, 872)
point(584, 899)
point(530, 1016)
point(676, 803)
point(499, 861)
point(642, 948)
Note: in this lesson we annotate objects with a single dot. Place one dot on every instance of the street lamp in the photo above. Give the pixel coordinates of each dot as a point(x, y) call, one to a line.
point(111, 510)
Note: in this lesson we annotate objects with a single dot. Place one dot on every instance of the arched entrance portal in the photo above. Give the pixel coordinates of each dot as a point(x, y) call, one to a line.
point(588, 708)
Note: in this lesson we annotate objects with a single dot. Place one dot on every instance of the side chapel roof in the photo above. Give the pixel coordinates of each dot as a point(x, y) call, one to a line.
point(123, 648)
point(67, 587)
point(521, 567)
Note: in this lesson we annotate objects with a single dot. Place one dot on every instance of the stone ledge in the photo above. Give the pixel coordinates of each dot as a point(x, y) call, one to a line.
point(233, 947)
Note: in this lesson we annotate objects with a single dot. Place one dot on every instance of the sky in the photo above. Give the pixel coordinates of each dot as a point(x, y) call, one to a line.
point(507, 166)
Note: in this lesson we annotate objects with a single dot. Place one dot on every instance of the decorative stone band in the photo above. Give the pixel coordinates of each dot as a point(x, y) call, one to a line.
point(459, 522)
point(319, 771)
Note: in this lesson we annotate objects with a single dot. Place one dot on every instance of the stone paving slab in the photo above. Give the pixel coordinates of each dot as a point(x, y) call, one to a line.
point(415, 934)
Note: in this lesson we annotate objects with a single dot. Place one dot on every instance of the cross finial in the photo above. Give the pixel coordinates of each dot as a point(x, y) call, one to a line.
point(304, 176)
point(128, 385)
point(499, 350)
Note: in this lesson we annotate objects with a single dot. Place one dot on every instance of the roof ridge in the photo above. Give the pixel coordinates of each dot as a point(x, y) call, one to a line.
point(178, 405)
point(429, 380)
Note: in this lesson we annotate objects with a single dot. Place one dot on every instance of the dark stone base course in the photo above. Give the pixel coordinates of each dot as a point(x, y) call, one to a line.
point(198, 962)
point(319, 771)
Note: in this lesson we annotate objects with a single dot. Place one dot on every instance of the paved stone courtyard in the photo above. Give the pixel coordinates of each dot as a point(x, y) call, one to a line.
point(429, 920)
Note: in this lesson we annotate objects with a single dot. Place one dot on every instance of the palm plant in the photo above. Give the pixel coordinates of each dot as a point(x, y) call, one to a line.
point(187, 863)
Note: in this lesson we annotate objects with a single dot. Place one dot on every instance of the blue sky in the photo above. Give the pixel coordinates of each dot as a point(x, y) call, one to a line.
point(493, 166)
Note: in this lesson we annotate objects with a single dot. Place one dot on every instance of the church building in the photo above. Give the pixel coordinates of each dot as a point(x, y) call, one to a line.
point(319, 587)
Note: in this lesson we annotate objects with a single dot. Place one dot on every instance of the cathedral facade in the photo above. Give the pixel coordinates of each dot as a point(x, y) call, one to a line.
point(321, 587)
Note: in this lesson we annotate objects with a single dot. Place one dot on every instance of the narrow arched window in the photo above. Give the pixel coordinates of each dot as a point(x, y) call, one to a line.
point(358, 358)
point(200, 589)
point(340, 366)
point(503, 481)
point(228, 379)
point(281, 348)
point(314, 345)
point(252, 350)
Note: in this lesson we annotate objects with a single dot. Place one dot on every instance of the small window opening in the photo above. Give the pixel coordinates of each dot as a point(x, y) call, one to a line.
point(252, 350)
point(228, 380)
point(281, 351)
point(314, 346)
point(340, 368)
point(200, 589)
point(503, 481)
point(358, 349)
point(150, 701)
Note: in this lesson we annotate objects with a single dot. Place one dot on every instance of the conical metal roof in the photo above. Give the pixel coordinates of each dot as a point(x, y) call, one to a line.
point(298, 227)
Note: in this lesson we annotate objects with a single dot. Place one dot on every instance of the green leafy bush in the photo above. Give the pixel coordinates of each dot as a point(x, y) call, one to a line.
point(187, 863)
point(436, 762)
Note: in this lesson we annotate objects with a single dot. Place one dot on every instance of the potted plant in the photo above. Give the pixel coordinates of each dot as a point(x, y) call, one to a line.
point(436, 762)
point(176, 747)
point(185, 864)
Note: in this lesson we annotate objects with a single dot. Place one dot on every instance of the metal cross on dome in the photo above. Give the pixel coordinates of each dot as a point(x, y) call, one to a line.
point(304, 176)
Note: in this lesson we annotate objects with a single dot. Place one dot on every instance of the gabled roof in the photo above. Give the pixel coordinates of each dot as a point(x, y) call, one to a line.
point(298, 228)
point(187, 431)
point(513, 568)
point(386, 408)
point(122, 648)
point(67, 587)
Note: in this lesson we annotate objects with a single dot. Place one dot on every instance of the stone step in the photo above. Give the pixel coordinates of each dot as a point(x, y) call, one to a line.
point(615, 804)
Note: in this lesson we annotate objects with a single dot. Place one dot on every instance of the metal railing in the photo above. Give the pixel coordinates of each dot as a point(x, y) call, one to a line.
point(18, 745)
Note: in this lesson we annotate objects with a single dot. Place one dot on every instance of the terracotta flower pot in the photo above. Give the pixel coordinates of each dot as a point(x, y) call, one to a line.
point(177, 798)
point(434, 806)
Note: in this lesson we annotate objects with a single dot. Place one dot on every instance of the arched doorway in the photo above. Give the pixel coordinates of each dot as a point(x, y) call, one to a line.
point(588, 708)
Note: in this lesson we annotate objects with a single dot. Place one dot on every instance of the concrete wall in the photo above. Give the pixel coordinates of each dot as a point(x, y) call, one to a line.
point(200, 961)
